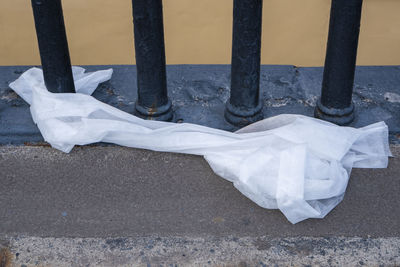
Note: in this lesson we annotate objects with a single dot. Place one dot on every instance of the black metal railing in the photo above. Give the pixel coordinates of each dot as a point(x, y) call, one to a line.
point(53, 45)
point(153, 102)
point(244, 105)
point(335, 104)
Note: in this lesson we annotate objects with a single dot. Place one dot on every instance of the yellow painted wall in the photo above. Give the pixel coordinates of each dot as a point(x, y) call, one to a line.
point(199, 32)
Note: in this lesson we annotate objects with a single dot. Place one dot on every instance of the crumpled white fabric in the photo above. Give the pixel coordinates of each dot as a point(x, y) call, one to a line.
point(294, 163)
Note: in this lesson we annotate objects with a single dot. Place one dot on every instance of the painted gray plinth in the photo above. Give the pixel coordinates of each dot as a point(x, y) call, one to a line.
point(198, 93)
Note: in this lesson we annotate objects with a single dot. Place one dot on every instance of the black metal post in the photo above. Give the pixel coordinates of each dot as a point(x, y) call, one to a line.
point(244, 106)
point(335, 104)
point(153, 102)
point(53, 45)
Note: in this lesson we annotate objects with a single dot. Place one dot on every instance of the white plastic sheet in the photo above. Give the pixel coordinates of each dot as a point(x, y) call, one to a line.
point(294, 163)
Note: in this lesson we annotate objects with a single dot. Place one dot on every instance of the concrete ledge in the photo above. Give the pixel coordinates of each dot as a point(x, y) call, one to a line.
point(199, 93)
point(210, 251)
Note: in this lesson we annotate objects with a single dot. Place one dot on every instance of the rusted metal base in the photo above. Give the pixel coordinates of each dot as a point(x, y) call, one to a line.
point(337, 116)
point(161, 113)
point(241, 116)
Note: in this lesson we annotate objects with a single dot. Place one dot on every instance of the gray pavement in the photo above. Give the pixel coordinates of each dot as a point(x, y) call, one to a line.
point(115, 191)
point(145, 207)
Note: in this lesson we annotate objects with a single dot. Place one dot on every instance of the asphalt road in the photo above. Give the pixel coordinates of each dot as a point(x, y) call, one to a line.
point(114, 206)
point(114, 192)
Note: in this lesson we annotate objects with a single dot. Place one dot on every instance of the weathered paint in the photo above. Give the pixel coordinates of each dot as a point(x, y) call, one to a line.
point(199, 94)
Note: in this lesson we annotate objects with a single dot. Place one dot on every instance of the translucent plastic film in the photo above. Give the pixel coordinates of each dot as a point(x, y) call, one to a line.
point(297, 164)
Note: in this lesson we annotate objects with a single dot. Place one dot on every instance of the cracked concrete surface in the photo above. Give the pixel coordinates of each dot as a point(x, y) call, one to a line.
point(205, 251)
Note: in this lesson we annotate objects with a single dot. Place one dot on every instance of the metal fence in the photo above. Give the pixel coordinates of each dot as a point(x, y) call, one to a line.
point(244, 106)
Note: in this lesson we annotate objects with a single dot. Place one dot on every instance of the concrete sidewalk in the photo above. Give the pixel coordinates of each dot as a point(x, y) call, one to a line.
point(108, 206)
